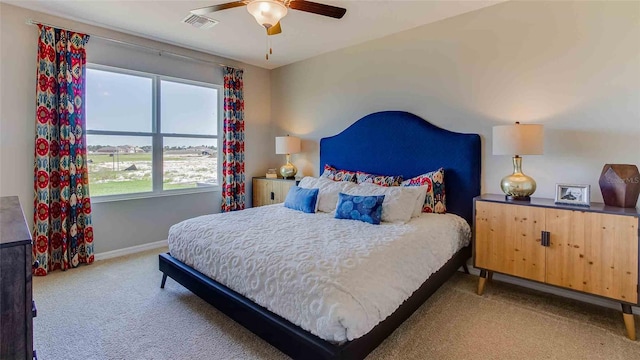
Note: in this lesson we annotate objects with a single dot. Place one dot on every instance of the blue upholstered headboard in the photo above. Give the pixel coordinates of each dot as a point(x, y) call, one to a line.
point(400, 143)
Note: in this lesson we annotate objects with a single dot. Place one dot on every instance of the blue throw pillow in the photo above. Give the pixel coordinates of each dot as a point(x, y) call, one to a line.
point(304, 200)
point(362, 208)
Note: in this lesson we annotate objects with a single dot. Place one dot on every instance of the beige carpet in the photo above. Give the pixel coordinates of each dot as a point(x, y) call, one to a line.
point(115, 309)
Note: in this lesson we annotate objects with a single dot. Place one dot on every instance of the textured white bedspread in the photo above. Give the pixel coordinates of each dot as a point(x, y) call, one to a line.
point(334, 278)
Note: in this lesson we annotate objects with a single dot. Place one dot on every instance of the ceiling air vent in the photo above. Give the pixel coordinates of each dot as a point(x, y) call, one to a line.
point(200, 22)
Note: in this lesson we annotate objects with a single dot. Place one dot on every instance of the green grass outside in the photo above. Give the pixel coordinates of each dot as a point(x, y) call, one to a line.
point(130, 187)
point(108, 177)
point(177, 186)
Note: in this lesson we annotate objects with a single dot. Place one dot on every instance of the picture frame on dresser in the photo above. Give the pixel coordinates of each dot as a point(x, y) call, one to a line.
point(573, 194)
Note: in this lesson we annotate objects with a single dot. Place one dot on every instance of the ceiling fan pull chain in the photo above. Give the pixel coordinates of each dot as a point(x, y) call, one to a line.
point(269, 50)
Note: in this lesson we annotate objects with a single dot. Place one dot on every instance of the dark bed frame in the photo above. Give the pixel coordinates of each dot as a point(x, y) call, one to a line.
point(390, 142)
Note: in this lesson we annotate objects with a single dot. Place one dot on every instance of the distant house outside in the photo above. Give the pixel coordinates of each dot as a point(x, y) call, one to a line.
point(124, 149)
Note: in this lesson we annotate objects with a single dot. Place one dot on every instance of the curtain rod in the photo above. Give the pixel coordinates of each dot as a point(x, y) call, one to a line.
point(159, 51)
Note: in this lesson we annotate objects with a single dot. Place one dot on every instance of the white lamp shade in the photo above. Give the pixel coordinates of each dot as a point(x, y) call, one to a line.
point(518, 139)
point(267, 12)
point(287, 145)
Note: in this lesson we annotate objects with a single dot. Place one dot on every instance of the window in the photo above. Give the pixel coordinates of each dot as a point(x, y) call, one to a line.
point(150, 134)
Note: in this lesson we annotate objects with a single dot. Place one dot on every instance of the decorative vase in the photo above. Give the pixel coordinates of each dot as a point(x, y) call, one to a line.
point(620, 185)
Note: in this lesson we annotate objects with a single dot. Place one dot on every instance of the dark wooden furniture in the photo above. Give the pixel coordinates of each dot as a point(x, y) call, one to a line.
point(17, 308)
point(392, 143)
point(591, 250)
point(270, 191)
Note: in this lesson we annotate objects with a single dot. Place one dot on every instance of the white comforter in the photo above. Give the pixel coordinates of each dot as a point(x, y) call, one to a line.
point(334, 278)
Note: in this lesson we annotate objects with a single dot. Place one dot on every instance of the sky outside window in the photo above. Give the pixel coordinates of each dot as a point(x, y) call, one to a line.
point(188, 109)
point(118, 102)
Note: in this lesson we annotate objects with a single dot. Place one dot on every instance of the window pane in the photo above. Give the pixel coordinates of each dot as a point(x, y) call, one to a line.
point(188, 109)
point(118, 102)
point(119, 164)
point(189, 163)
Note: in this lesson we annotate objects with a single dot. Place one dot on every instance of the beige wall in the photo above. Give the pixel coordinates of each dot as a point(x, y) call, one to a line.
point(118, 224)
point(574, 67)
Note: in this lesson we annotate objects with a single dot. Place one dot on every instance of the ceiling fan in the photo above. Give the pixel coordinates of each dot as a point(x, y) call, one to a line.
point(269, 12)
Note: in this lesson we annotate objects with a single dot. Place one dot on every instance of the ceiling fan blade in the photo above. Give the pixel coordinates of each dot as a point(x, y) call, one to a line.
point(275, 29)
point(320, 9)
point(209, 9)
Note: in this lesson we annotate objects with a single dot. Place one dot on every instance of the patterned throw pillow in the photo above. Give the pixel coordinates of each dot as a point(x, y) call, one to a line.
point(338, 175)
point(362, 208)
point(382, 180)
point(436, 200)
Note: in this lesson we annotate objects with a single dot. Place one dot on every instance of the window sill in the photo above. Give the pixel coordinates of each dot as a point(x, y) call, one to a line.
point(146, 195)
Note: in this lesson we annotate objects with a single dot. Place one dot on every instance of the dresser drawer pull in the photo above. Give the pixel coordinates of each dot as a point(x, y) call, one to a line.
point(273, 196)
point(34, 310)
point(546, 238)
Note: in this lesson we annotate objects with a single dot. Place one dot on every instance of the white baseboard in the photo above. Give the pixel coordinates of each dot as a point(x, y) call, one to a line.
point(595, 300)
point(130, 250)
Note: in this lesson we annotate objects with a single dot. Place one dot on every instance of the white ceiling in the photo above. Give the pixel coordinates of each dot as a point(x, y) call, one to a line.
point(239, 37)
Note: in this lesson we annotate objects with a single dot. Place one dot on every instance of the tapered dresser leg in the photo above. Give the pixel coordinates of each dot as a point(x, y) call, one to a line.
point(482, 281)
point(164, 280)
point(629, 322)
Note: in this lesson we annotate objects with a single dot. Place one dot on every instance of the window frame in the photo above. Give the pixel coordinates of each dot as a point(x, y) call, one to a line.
point(157, 136)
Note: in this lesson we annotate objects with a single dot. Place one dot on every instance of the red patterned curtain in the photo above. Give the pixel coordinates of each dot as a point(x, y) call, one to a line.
point(233, 188)
point(62, 210)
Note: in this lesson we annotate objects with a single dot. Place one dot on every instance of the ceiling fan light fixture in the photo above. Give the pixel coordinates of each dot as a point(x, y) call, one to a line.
point(267, 12)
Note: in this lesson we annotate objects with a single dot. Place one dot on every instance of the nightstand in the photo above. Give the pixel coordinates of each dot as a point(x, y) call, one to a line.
point(593, 250)
point(270, 191)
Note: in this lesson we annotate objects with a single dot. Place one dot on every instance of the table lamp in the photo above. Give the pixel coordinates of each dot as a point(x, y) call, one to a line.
point(288, 145)
point(516, 140)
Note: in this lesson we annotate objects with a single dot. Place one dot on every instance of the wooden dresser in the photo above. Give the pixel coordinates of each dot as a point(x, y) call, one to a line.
point(270, 191)
point(593, 249)
point(17, 308)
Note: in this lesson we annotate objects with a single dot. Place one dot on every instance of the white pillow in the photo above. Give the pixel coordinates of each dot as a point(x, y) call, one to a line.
point(328, 191)
point(310, 187)
point(417, 210)
point(399, 201)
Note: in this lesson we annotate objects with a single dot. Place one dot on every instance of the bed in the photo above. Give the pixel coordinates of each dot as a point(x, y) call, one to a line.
point(389, 142)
